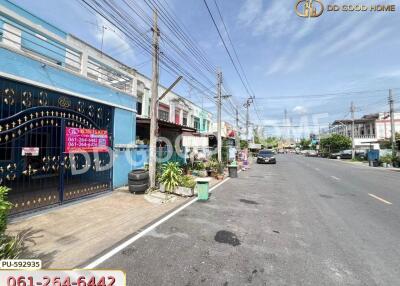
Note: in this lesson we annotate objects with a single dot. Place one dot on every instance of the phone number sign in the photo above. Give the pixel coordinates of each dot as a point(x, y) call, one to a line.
point(85, 140)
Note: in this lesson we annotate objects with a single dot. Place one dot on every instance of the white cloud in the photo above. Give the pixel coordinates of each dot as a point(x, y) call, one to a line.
point(354, 32)
point(249, 11)
point(306, 29)
point(300, 109)
point(278, 65)
point(277, 19)
point(113, 42)
point(372, 39)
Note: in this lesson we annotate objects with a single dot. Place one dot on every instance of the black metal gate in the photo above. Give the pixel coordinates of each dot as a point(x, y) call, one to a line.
point(33, 163)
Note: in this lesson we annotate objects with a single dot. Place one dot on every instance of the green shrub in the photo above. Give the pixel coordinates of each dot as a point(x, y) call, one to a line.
point(386, 159)
point(11, 247)
point(220, 168)
point(187, 182)
point(199, 166)
point(5, 205)
point(211, 164)
point(171, 176)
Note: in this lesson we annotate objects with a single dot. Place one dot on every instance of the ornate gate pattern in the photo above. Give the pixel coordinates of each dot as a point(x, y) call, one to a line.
point(36, 117)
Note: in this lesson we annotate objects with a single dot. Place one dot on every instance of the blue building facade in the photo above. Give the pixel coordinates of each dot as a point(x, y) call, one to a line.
point(51, 82)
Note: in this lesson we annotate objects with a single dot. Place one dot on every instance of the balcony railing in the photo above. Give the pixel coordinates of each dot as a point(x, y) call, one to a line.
point(46, 48)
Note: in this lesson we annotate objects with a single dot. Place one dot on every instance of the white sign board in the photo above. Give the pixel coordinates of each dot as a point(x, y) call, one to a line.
point(30, 151)
point(254, 146)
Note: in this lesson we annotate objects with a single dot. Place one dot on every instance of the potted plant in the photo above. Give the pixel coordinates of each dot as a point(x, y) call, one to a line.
point(220, 170)
point(386, 160)
point(211, 168)
point(201, 169)
point(395, 161)
point(170, 177)
point(186, 186)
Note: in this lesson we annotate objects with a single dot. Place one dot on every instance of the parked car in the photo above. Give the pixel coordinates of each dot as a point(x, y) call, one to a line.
point(266, 156)
point(346, 154)
point(335, 155)
point(303, 152)
point(362, 154)
point(311, 153)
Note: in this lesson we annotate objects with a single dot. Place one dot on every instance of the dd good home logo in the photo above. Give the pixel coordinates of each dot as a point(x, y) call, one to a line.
point(309, 8)
point(315, 8)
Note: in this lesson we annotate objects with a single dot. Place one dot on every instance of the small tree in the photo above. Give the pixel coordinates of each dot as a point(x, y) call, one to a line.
point(335, 143)
point(305, 143)
point(244, 144)
point(270, 142)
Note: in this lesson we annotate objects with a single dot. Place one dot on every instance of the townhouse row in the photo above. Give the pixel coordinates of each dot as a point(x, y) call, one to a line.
point(58, 96)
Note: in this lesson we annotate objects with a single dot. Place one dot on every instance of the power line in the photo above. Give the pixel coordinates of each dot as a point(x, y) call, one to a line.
point(243, 81)
point(238, 60)
point(305, 96)
point(226, 48)
point(171, 54)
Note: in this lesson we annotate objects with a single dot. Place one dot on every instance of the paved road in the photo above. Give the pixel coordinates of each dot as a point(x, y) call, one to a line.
point(304, 221)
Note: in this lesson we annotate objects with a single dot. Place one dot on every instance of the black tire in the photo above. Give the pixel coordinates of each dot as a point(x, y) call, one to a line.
point(138, 188)
point(138, 182)
point(138, 175)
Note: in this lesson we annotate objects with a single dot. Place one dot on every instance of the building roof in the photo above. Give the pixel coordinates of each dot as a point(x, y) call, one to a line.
point(166, 124)
point(356, 121)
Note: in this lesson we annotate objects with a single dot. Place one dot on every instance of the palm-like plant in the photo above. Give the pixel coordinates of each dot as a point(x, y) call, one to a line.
point(10, 247)
point(171, 176)
point(5, 205)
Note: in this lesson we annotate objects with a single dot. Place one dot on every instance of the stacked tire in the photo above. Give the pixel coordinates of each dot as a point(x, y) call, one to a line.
point(138, 181)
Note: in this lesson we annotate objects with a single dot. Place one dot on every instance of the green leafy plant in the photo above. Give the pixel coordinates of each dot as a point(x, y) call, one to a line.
point(335, 143)
point(188, 182)
point(220, 168)
point(211, 164)
point(386, 159)
point(10, 247)
point(5, 205)
point(171, 176)
point(199, 166)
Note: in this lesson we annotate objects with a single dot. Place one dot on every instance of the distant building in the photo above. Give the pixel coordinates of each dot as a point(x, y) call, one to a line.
point(177, 116)
point(369, 129)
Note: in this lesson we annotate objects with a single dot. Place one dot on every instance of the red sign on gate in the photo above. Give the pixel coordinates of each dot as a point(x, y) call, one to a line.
point(87, 140)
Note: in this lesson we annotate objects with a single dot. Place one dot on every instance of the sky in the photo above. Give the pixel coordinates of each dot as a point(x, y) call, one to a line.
point(311, 67)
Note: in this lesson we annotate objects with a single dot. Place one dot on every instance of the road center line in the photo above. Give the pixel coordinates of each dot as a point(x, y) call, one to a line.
point(336, 178)
point(380, 199)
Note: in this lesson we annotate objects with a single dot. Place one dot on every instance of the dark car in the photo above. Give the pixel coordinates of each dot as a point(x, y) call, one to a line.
point(346, 154)
point(266, 156)
point(335, 155)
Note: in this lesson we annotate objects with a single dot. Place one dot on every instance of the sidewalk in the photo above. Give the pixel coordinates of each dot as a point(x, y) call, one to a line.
point(70, 236)
point(365, 164)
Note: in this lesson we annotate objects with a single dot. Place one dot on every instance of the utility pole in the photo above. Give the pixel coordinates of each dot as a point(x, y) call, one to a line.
point(392, 127)
point(219, 107)
point(154, 104)
point(237, 130)
point(285, 134)
point(247, 105)
point(353, 150)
